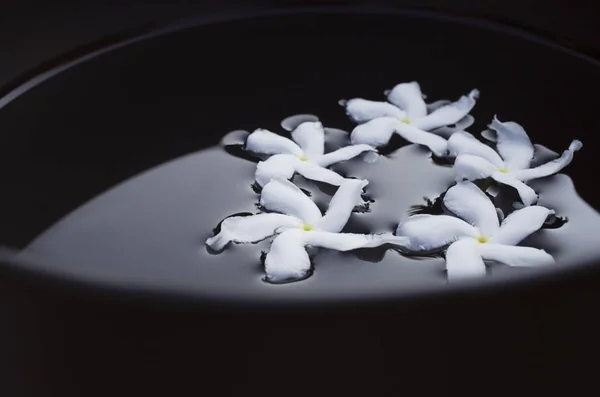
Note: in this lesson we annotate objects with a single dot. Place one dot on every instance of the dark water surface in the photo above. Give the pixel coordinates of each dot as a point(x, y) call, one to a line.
point(143, 121)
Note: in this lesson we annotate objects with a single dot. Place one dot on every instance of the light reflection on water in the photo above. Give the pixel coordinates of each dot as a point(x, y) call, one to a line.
point(149, 231)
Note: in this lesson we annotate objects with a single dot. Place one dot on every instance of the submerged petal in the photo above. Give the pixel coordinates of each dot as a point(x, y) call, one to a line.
point(462, 142)
point(267, 142)
point(351, 241)
point(515, 256)
point(470, 167)
point(427, 232)
point(251, 229)
point(527, 194)
point(408, 97)
point(361, 110)
point(436, 105)
point(281, 195)
point(449, 114)
point(489, 134)
point(469, 203)
point(290, 123)
point(435, 143)
point(341, 205)
point(551, 167)
point(310, 136)
point(376, 132)
point(342, 154)
point(463, 260)
point(287, 259)
point(462, 124)
point(279, 165)
point(513, 144)
point(313, 171)
point(520, 224)
point(542, 155)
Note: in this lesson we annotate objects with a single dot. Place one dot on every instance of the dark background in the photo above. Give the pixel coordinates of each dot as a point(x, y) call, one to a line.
point(32, 31)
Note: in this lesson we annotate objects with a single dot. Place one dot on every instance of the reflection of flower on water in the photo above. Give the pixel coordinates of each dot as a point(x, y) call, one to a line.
point(410, 117)
point(303, 154)
point(511, 164)
point(476, 229)
point(298, 223)
point(477, 235)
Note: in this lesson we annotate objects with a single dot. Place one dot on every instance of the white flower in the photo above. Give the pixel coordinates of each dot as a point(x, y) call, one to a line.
point(410, 117)
point(478, 236)
point(304, 154)
point(511, 164)
point(299, 223)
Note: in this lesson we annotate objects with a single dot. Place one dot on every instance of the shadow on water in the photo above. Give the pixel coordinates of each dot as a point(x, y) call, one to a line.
point(240, 152)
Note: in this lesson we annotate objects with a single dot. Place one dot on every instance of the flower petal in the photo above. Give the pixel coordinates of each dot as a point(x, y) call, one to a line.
point(376, 132)
point(449, 114)
point(463, 260)
point(313, 171)
point(435, 143)
point(287, 259)
point(343, 154)
point(490, 135)
point(251, 229)
point(311, 138)
point(430, 232)
point(267, 142)
point(462, 124)
point(542, 155)
point(527, 194)
point(551, 167)
point(351, 241)
point(435, 105)
point(469, 203)
point(279, 165)
point(408, 97)
point(281, 195)
point(515, 256)
point(463, 142)
point(341, 205)
point(361, 110)
point(471, 167)
point(520, 224)
point(290, 123)
point(513, 144)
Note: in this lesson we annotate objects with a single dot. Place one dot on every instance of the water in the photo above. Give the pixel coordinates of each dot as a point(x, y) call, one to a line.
point(159, 241)
point(117, 178)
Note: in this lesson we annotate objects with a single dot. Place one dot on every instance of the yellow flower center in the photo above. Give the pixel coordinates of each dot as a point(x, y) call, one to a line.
point(504, 170)
point(307, 228)
point(482, 239)
point(405, 121)
point(303, 158)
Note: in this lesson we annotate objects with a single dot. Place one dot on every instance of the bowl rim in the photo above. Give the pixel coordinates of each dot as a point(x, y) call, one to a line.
point(13, 266)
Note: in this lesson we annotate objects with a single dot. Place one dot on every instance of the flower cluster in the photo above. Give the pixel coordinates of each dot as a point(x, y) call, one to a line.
point(471, 230)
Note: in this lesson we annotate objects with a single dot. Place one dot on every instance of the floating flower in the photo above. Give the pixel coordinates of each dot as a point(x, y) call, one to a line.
point(299, 223)
point(510, 165)
point(303, 154)
point(478, 235)
point(408, 116)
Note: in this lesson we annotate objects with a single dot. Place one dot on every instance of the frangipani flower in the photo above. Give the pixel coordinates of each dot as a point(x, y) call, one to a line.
point(511, 165)
point(408, 116)
point(304, 154)
point(299, 223)
point(478, 235)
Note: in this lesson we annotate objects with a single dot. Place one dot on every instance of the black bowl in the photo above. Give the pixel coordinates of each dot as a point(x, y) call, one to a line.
point(80, 322)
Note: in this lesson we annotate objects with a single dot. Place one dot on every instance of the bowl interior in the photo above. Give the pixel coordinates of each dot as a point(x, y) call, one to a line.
point(113, 174)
